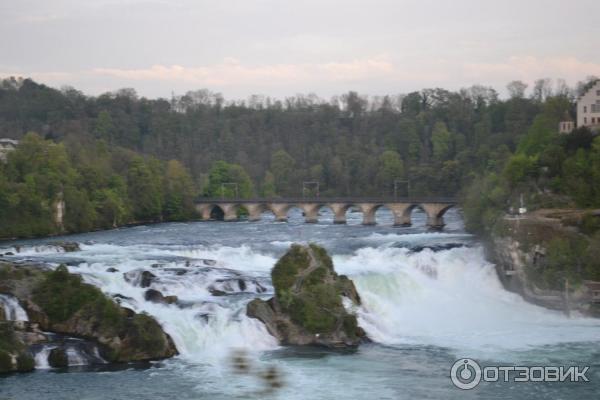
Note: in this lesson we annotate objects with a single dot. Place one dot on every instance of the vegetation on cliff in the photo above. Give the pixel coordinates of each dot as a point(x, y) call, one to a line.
point(13, 353)
point(546, 170)
point(307, 307)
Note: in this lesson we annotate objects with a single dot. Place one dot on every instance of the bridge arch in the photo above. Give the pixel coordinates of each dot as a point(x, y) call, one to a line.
point(435, 214)
point(229, 210)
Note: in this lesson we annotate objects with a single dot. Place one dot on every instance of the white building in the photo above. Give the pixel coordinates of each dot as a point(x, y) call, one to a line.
point(7, 145)
point(588, 108)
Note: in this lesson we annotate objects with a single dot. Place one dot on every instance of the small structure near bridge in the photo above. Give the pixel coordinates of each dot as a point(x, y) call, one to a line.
point(401, 208)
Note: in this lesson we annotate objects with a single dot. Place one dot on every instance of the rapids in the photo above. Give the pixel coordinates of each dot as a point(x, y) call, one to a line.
point(428, 299)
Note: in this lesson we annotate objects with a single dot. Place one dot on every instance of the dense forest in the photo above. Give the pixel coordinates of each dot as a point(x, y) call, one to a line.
point(119, 158)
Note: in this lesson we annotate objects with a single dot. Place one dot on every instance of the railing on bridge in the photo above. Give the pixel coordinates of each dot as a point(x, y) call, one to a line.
point(313, 200)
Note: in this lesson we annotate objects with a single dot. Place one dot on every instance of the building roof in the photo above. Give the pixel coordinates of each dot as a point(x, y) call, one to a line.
point(9, 141)
point(592, 86)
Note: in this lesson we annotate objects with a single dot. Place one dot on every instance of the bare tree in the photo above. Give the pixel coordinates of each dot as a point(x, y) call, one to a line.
point(516, 89)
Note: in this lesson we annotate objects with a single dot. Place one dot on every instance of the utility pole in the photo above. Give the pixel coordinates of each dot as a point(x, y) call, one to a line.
point(232, 184)
point(307, 184)
point(398, 182)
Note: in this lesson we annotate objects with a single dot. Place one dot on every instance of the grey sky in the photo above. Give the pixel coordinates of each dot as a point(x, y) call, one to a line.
point(279, 48)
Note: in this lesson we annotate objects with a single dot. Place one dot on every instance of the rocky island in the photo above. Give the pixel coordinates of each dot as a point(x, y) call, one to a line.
point(44, 307)
point(308, 306)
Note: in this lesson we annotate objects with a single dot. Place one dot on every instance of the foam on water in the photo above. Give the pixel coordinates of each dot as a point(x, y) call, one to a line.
point(12, 309)
point(450, 298)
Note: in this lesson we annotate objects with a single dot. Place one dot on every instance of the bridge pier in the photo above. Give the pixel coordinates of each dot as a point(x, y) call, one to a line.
point(204, 211)
point(255, 211)
point(401, 208)
point(339, 212)
point(280, 210)
point(402, 212)
point(368, 211)
point(435, 214)
point(230, 211)
point(311, 212)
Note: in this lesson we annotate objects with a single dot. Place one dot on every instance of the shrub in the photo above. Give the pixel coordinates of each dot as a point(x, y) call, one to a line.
point(61, 295)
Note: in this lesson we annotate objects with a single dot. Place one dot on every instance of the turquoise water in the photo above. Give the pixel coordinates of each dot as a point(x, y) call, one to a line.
point(428, 299)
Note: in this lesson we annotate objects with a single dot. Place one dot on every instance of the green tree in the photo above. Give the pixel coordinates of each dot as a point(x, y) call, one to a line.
point(179, 192)
point(225, 173)
point(441, 140)
point(144, 191)
point(269, 185)
point(391, 167)
point(283, 166)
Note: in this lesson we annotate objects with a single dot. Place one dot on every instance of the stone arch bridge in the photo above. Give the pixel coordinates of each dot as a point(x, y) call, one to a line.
point(401, 208)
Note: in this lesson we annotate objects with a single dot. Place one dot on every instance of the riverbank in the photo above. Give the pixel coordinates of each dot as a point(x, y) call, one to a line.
point(549, 258)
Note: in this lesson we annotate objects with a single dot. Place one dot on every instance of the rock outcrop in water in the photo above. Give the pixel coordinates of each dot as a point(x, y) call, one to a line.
point(60, 302)
point(14, 356)
point(308, 307)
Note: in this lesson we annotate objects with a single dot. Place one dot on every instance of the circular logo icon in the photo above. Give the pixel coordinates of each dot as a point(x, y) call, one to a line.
point(465, 373)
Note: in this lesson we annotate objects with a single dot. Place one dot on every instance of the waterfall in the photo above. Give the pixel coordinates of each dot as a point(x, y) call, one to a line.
point(12, 309)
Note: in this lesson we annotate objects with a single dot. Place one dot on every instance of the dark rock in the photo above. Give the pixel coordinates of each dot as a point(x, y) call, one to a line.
point(9, 253)
point(307, 308)
point(177, 271)
point(58, 358)
point(242, 284)
point(210, 263)
point(68, 247)
point(112, 269)
point(217, 292)
point(129, 313)
point(119, 298)
point(155, 296)
point(139, 278)
point(147, 278)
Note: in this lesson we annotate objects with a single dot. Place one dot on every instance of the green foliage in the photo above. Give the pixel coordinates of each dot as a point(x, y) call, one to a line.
point(564, 261)
point(222, 175)
point(144, 191)
point(287, 267)
point(25, 362)
point(179, 192)
point(101, 187)
point(539, 135)
point(315, 309)
point(61, 295)
point(10, 345)
point(5, 362)
point(146, 334)
point(390, 168)
point(520, 168)
point(589, 224)
point(268, 189)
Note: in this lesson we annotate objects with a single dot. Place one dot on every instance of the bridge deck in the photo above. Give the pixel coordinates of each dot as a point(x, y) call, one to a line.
point(324, 200)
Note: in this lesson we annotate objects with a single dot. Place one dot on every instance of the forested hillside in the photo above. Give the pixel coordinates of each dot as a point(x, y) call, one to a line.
point(109, 155)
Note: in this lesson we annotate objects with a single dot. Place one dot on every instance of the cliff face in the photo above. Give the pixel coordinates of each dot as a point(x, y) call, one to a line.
point(541, 257)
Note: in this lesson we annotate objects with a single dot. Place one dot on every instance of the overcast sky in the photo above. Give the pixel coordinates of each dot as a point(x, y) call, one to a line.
point(280, 48)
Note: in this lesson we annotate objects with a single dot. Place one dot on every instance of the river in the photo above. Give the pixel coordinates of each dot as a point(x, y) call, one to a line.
point(428, 300)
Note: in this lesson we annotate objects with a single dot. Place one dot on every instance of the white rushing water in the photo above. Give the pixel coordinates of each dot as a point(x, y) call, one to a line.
point(450, 298)
point(12, 309)
point(428, 299)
